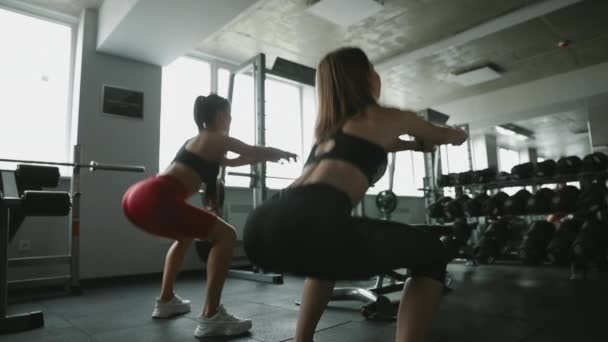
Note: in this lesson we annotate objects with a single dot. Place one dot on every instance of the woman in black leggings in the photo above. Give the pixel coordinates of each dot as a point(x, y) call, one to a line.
point(307, 229)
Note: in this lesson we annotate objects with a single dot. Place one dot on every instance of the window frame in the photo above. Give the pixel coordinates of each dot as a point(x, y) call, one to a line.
point(71, 22)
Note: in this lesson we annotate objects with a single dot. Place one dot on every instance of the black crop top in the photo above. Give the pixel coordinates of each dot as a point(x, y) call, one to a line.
point(365, 155)
point(207, 170)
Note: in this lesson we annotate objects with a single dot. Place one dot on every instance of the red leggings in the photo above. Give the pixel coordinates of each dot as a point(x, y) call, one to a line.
point(158, 206)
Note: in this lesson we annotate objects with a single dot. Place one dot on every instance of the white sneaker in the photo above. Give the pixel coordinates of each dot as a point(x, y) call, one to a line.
point(222, 324)
point(175, 306)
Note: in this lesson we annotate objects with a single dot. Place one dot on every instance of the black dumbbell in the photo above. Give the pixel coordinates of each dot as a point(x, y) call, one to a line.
point(454, 208)
point(568, 165)
point(503, 176)
point(592, 200)
point(541, 202)
point(484, 176)
point(464, 178)
point(445, 180)
point(462, 230)
point(595, 162)
point(436, 210)
point(474, 206)
point(546, 168)
point(565, 199)
point(459, 237)
point(523, 171)
point(516, 204)
point(494, 206)
point(559, 250)
point(590, 245)
point(493, 242)
point(533, 249)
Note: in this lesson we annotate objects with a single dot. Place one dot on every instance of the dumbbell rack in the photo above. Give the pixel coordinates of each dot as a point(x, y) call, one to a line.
point(584, 178)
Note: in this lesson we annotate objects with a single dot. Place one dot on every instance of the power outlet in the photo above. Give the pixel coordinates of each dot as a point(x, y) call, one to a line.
point(25, 245)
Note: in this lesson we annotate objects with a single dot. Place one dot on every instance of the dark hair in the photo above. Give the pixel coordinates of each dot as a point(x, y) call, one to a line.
point(343, 89)
point(207, 108)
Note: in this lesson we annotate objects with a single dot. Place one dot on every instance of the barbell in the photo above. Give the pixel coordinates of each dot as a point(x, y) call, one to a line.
point(92, 166)
point(254, 176)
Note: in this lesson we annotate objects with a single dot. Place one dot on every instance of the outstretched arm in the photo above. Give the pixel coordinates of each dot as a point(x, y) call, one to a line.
point(256, 154)
point(238, 161)
point(407, 122)
point(410, 145)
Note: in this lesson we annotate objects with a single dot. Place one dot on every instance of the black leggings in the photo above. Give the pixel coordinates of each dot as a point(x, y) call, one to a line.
point(309, 231)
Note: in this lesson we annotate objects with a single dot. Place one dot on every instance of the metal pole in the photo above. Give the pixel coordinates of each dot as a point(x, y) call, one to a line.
point(259, 170)
point(74, 284)
point(391, 170)
point(231, 87)
point(4, 224)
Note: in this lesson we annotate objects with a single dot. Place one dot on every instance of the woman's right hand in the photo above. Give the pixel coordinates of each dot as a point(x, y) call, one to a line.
point(278, 155)
point(457, 136)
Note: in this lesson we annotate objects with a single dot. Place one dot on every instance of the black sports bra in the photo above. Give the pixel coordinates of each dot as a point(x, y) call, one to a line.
point(207, 170)
point(365, 155)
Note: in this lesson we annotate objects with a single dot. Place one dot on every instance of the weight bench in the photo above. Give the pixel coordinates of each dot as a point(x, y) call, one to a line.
point(16, 203)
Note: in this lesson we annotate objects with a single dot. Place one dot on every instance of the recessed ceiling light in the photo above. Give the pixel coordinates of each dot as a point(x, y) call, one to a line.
point(477, 76)
point(345, 12)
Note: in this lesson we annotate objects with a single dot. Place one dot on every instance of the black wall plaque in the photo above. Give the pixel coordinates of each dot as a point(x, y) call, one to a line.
point(123, 102)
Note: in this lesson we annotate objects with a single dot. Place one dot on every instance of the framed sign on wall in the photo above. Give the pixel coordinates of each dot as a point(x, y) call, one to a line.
point(122, 102)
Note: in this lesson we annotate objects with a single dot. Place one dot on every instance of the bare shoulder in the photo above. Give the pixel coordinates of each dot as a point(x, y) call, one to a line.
point(390, 114)
point(209, 144)
point(388, 120)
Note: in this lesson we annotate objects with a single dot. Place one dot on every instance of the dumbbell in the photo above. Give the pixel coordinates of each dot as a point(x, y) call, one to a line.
point(523, 171)
point(559, 250)
point(592, 200)
point(565, 199)
point(568, 165)
point(533, 249)
point(464, 178)
point(541, 202)
point(446, 180)
point(436, 209)
point(484, 176)
point(503, 176)
point(494, 206)
point(595, 162)
point(546, 168)
point(454, 208)
point(493, 242)
point(474, 206)
point(516, 204)
point(459, 237)
point(590, 245)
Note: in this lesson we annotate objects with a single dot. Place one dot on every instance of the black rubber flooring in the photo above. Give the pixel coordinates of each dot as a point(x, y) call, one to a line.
point(489, 303)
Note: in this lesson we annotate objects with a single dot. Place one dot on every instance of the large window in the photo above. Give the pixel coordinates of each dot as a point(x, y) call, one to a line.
point(284, 129)
point(183, 80)
point(34, 85)
point(243, 118)
point(283, 109)
point(454, 159)
point(507, 158)
point(408, 177)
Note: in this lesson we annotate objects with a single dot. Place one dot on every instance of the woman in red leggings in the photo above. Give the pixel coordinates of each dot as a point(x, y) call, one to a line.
point(159, 206)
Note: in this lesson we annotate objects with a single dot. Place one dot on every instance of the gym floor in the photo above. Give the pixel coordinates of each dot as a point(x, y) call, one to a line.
point(489, 303)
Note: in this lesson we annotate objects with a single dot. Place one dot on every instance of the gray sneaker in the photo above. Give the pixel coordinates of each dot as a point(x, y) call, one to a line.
point(176, 306)
point(222, 324)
